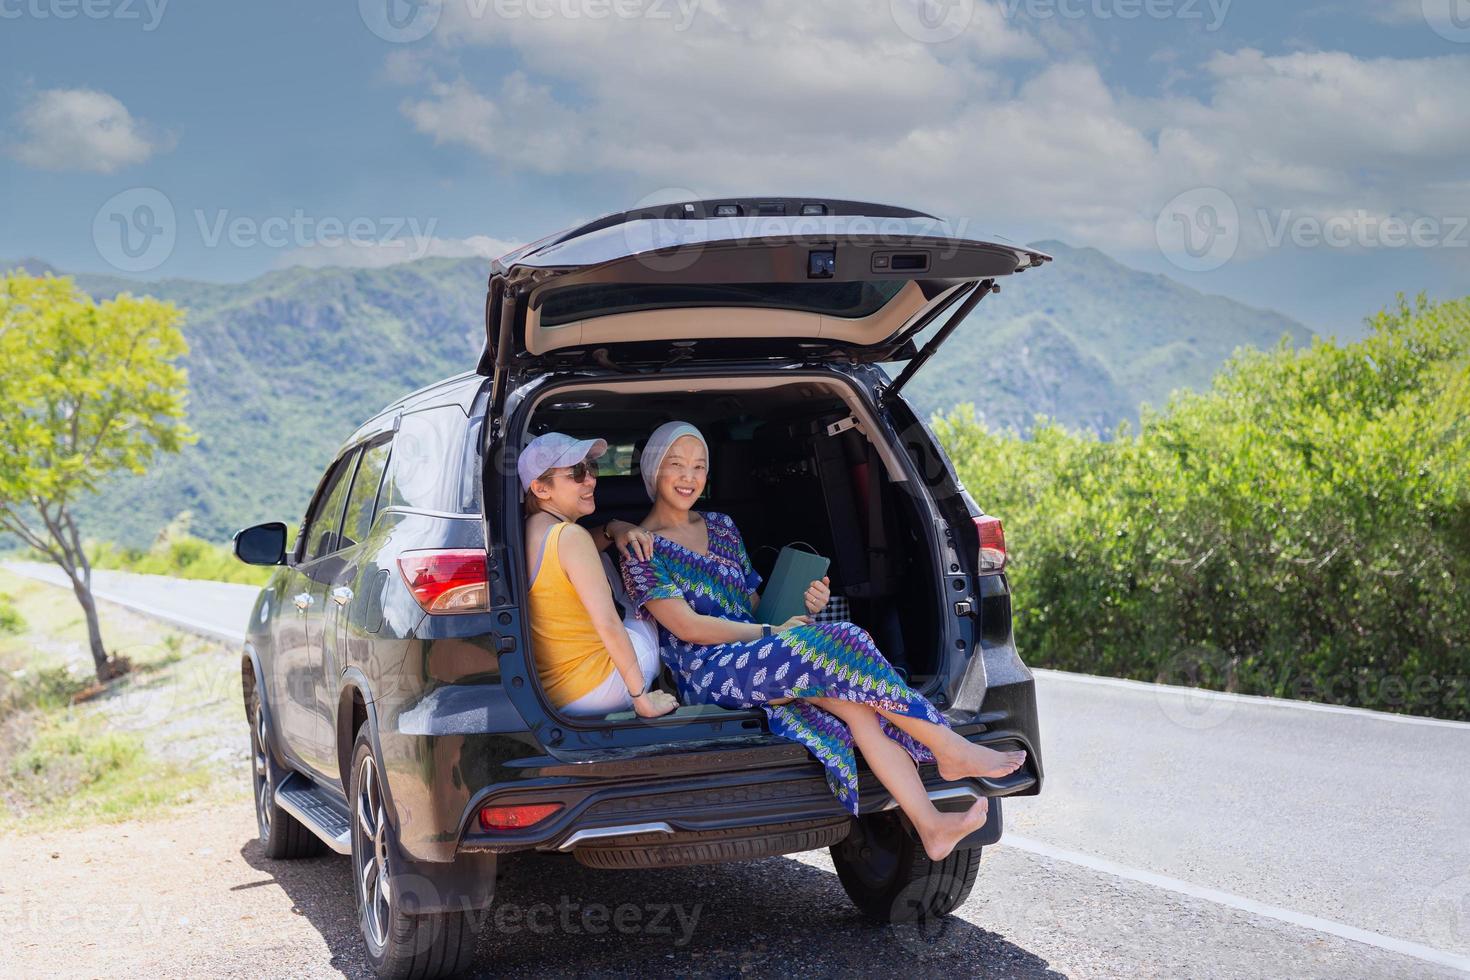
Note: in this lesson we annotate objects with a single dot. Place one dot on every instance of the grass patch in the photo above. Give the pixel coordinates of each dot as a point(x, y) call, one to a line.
point(72, 770)
point(75, 753)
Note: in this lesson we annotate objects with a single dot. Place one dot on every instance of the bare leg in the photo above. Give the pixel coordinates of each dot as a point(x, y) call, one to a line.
point(890, 762)
point(957, 756)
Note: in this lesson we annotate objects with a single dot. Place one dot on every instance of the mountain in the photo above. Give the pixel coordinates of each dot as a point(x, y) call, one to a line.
point(281, 370)
point(1087, 340)
point(283, 367)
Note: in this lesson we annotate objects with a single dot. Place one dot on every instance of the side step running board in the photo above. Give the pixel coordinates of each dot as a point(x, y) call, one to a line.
point(321, 814)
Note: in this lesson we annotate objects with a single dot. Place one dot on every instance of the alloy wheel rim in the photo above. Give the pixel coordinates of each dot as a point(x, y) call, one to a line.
point(264, 797)
point(370, 852)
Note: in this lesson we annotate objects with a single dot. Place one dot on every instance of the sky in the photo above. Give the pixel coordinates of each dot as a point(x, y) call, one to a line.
point(1309, 157)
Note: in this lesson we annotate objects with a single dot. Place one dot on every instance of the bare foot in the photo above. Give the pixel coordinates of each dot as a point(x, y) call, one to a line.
point(948, 829)
point(970, 759)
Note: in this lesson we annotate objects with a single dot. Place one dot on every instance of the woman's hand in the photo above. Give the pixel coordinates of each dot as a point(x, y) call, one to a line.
point(632, 540)
point(794, 622)
point(817, 595)
point(654, 704)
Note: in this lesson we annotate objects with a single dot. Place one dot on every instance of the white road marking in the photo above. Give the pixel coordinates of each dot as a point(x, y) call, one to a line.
point(1417, 950)
point(1256, 699)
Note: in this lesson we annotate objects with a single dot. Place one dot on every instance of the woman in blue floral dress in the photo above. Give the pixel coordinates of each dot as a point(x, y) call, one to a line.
point(825, 685)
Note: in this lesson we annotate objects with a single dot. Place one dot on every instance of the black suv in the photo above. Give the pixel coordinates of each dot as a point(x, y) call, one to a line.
point(394, 709)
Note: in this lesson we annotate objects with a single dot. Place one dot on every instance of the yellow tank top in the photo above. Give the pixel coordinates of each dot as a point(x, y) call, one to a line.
point(570, 657)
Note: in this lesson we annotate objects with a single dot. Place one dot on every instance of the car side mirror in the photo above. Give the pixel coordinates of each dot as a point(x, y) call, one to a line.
point(263, 544)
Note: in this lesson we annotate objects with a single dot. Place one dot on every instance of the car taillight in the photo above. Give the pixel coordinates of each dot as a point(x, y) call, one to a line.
point(516, 817)
point(992, 545)
point(447, 581)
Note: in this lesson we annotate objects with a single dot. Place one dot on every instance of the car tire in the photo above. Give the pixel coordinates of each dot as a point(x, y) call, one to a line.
point(282, 836)
point(884, 870)
point(399, 945)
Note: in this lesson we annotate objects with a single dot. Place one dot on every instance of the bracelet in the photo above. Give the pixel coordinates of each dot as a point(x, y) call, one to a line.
point(607, 531)
point(635, 695)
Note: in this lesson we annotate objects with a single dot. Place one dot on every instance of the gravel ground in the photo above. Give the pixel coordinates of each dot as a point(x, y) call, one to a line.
point(192, 896)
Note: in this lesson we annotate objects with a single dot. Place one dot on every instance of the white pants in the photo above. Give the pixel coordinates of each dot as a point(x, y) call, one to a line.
point(612, 694)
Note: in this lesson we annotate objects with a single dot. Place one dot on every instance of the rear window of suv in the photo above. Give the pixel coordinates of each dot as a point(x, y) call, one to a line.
point(432, 465)
point(841, 299)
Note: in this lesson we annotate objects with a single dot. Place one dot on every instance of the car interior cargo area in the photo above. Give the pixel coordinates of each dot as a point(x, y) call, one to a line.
point(792, 464)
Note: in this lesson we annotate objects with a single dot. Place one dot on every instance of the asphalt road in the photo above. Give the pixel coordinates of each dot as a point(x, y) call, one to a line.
point(1179, 833)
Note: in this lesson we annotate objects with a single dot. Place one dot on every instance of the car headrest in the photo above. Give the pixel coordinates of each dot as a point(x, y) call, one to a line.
point(620, 493)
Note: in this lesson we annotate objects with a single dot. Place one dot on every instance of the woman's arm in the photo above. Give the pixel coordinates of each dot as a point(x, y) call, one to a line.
point(622, 534)
point(580, 561)
point(676, 616)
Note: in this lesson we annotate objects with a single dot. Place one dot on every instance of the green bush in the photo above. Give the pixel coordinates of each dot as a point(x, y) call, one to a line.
point(44, 688)
point(11, 621)
point(1302, 529)
point(177, 553)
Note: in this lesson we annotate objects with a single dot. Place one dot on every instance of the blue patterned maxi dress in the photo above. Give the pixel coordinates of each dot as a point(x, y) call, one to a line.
point(835, 660)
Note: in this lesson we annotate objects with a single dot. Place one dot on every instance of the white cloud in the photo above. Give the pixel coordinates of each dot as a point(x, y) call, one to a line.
point(376, 255)
point(82, 129)
point(768, 96)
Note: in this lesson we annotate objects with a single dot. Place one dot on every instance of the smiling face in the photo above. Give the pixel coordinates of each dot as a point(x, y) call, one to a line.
point(565, 497)
point(682, 474)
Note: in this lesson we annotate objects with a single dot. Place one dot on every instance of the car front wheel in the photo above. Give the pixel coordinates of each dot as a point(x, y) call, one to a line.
point(282, 836)
point(434, 944)
point(884, 870)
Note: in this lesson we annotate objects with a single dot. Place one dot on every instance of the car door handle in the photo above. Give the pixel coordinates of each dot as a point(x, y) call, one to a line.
point(303, 600)
point(341, 595)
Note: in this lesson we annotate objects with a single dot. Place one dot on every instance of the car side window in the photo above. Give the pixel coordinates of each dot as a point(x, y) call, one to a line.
point(323, 527)
point(428, 456)
point(358, 521)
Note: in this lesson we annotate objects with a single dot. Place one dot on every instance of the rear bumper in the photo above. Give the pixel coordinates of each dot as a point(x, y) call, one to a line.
point(599, 811)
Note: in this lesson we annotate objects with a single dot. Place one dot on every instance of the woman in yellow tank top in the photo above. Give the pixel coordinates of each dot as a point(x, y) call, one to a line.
point(588, 661)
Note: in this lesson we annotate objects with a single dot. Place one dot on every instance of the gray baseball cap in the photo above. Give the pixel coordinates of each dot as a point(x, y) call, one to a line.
point(552, 449)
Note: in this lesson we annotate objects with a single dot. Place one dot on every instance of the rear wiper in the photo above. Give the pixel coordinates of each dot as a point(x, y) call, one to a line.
point(683, 351)
point(920, 359)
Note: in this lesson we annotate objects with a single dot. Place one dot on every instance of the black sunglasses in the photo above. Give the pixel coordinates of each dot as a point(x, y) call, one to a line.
point(579, 471)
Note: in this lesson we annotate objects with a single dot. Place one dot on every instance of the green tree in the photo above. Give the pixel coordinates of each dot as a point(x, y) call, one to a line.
point(1301, 529)
point(89, 390)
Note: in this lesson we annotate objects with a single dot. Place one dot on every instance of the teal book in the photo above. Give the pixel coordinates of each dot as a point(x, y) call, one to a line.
point(785, 592)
